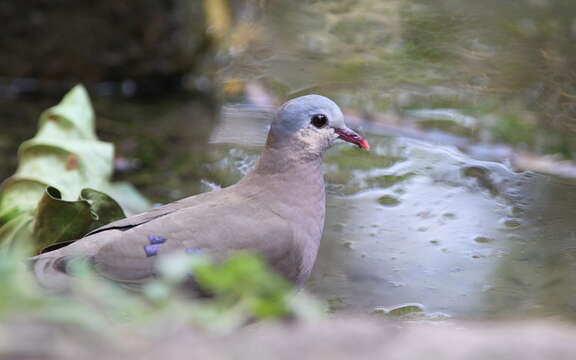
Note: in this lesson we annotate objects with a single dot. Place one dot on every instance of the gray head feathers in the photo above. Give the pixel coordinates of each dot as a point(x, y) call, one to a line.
point(297, 113)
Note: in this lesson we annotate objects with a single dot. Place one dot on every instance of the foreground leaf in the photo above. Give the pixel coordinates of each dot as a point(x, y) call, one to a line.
point(66, 158)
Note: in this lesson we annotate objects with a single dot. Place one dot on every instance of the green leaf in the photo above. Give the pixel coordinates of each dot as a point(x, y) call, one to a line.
point(65, 154)
point(58, 192)
point(58, 220)
point(16, 233)
point(244, 279)
point(103, 208)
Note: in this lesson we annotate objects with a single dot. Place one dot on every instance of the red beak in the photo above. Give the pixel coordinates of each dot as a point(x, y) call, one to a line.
point(352, 137)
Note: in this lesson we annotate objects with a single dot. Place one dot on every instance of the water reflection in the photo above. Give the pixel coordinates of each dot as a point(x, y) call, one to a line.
point(421, 250)
point(413, 222)
point(538, 277)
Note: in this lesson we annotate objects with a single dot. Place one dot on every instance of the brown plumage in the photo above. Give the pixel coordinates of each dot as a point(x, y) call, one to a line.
point(277, 210)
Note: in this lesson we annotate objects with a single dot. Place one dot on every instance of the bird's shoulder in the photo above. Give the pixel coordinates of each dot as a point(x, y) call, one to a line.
point(228, 221)
point(217, 226)
point(158, 212)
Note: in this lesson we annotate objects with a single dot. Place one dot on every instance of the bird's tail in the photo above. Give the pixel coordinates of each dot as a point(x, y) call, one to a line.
point(50, 272)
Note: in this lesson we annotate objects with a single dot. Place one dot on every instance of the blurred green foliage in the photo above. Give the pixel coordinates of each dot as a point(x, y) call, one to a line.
point(48, 203)
point(52, 198)
point(244, 280)
point(242, 290)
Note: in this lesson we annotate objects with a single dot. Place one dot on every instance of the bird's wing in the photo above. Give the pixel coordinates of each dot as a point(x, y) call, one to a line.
point(216, 228)
point(135, 220)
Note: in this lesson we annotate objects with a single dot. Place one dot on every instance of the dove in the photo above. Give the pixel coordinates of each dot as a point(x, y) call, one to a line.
point(276, 211)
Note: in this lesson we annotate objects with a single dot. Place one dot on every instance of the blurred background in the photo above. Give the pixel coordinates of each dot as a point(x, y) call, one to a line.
point(463, 209)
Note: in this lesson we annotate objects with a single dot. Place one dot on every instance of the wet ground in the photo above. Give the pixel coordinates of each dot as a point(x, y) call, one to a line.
point(411, 222)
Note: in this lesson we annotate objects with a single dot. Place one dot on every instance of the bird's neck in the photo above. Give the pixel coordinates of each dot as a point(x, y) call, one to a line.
point(290, 158)
point(291, 173)
point(290, 180)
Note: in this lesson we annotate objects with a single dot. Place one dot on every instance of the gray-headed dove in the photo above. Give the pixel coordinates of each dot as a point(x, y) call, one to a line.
point(276, 210)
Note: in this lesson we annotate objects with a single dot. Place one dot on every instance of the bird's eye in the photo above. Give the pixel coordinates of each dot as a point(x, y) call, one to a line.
point(319, 120)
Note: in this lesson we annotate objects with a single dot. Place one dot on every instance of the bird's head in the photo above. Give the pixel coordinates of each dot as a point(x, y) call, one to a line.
point(315, 121)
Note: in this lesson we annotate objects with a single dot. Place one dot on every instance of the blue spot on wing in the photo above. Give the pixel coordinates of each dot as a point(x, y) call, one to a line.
point(156, 239)
point(151, 250)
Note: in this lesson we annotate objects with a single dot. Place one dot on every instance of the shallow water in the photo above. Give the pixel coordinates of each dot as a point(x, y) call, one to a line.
point(412, 222)
point(419, 222)
point(465, 238)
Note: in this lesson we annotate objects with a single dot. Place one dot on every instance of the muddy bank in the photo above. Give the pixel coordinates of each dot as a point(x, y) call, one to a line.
point(350, 338)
